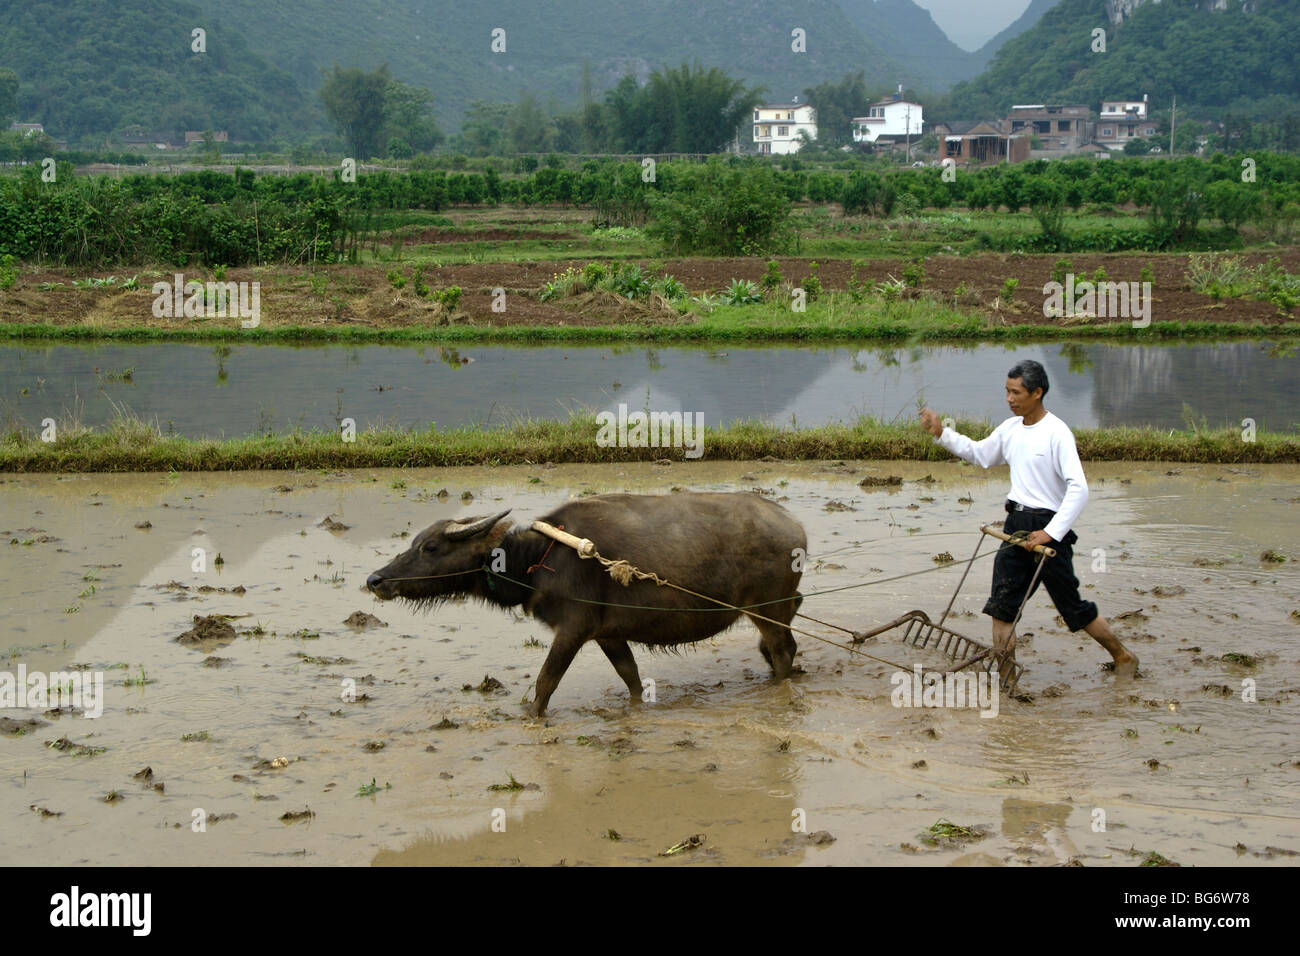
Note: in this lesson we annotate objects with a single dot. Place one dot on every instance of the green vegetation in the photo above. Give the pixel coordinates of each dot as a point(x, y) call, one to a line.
point(143, 74)
point(1227, 277)
point(732, 207)
point(1165, 48)
point(719, 211)
point(131, 445)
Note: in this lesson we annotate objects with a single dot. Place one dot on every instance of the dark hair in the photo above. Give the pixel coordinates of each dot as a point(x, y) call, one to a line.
point(1031, 374)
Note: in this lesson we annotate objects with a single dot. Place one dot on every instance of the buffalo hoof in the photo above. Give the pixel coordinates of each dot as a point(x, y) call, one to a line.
point(534, 710)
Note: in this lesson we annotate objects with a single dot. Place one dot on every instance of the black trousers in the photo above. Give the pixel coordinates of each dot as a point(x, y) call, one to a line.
point(1014, 567)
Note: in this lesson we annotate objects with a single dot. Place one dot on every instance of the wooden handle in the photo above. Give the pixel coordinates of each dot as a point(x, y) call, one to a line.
point(583, 546)
point(999, 533)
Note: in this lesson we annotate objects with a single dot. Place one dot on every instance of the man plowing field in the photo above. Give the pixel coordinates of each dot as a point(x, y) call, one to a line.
point(1048, 493)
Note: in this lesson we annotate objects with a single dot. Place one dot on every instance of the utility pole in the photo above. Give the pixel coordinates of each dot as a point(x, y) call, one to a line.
point(907, 119)
point(1173, 118)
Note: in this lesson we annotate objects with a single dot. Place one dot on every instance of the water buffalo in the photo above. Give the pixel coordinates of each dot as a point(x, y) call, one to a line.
point(737, 547)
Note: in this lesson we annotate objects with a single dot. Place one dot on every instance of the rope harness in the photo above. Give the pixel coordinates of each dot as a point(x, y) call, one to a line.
point(624, 572)
point(918, 627)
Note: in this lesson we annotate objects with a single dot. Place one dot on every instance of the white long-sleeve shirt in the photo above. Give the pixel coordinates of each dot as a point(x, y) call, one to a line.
point(1045, 467)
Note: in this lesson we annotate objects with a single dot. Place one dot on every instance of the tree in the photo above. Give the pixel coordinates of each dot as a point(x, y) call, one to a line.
point(722, 211)
point(627, 115)
point(836, 105)
point(8, 97)
point(482, 133)
point(354, 101)
point(529, 130)
point(695, 110)
point(408, 115)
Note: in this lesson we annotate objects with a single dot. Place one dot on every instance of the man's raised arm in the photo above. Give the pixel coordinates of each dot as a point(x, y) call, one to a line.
point(986, 453)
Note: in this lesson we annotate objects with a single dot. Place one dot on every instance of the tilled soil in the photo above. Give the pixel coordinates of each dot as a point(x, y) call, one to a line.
point(362, 297)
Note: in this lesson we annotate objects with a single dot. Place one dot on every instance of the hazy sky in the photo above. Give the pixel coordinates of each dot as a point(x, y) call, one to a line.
point(969, 23)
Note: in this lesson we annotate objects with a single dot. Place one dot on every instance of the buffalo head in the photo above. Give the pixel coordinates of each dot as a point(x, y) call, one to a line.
point(442, 562)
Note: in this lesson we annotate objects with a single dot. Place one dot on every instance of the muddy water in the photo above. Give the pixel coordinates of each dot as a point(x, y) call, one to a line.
point(722, 751)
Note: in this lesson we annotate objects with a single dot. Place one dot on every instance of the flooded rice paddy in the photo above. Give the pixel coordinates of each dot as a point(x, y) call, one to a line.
point(250, 732)
point(206, 390)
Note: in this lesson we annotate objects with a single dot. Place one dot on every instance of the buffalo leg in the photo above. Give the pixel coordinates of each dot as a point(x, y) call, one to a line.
point(620, 655)
point(558, 659)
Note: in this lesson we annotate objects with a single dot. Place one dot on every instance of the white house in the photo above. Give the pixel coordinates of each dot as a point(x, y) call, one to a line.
point(1122, 120)
point(777, 127)
point(894, 118)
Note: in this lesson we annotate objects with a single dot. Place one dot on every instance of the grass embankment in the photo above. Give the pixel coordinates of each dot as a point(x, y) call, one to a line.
point(834, 318)
point(134, 446)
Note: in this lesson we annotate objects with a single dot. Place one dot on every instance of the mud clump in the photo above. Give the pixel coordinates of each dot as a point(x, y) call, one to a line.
point(208, 633)
point(297, 816)
point(872, 482)
point(17, 728)
point(329, 524)
point(489, 685)
point(215, 662)
point(360, 619)
point(77, 750)
point(944, 834)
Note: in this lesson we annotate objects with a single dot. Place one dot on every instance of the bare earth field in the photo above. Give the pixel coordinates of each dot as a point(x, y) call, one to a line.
point(248, 729)
point(362, 297)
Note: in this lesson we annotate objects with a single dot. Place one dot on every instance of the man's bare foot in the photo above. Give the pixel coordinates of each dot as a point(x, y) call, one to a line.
point(1126, 664)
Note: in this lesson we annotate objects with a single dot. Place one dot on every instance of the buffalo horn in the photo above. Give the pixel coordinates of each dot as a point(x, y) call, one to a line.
point(459, 532)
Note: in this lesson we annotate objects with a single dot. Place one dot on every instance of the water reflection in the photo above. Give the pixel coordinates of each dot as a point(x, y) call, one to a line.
point(1091, 384)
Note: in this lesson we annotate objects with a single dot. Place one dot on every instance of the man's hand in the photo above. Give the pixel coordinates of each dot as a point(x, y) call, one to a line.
point(931, 422)
point(1036, 538)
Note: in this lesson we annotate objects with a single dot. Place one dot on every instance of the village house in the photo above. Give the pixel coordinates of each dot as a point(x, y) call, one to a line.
point(777, 127)
point(895, 119)
point(1063, 128)
point(29, 129)
point(1120, 121)
point(196, 136)
point(978, 143)
point(138, 135)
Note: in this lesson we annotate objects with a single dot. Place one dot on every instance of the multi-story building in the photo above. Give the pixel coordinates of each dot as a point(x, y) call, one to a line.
point(1057, 127)
point(1120, 121)
point(894, 118)
point(777, 127)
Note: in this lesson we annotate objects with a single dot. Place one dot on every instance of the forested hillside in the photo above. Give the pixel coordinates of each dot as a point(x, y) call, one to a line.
point(89, 67)
point(1244, 59)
